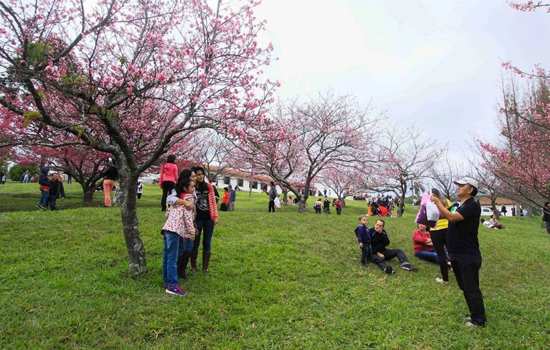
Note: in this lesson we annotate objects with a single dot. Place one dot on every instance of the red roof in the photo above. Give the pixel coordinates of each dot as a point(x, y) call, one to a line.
point(500, 201)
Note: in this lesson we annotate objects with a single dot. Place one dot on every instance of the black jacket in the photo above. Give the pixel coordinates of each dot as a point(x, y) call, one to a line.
point(379, 241)
point(56, 189)
point(111, 173)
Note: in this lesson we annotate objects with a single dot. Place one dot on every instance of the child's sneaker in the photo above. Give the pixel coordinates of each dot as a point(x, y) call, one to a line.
point(175, 289)
point(441, 281)
point(407, 267)
point(389, 270)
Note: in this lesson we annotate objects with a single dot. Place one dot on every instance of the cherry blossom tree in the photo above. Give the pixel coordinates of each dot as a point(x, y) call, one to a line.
point(343, 180)
point(520, 160)
point(302, 140)
point(408, 157)
point(84, 164)
point(132, 78)
point(212, 150)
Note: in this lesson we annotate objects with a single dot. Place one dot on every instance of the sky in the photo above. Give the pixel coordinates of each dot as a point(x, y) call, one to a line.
point(430, 64)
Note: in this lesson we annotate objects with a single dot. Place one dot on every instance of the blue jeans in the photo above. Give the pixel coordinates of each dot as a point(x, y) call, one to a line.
point(206, 228)
point(44, 196)
point(172, 244)
point(430, 256)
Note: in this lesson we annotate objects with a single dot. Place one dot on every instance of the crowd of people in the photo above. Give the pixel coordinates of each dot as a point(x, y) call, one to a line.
point(191, 205)
point(323, 205)
point(451, 242)
point(381, 205)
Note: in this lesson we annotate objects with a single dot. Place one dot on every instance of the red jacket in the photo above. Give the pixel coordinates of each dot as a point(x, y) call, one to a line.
point(420, 239)
point(168, 172)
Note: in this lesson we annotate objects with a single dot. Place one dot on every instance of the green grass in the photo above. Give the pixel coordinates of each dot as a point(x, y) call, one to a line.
point(283, 280)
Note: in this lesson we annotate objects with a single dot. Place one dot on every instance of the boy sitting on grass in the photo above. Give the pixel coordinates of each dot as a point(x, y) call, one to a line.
point(363, 239)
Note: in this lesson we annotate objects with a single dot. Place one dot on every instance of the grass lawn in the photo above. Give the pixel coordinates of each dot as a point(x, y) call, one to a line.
point(283, 280)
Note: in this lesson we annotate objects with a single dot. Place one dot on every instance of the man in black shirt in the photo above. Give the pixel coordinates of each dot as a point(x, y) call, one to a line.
point(463, 247)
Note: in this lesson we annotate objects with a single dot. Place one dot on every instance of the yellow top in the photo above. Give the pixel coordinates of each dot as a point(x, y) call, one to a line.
point(443, 223)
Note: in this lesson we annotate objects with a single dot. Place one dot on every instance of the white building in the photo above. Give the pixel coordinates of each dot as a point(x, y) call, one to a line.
point(512, 207)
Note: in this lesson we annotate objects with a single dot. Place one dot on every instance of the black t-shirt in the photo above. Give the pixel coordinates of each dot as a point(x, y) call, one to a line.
point(546, 214)
point(203, 211)
point(462, 235)
point(111, 174)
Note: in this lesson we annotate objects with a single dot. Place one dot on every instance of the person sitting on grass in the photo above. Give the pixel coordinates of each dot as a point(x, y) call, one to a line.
point(363, 239)
point(382, 210)
point(381, 254)
point(423, 246)
point(494, 223)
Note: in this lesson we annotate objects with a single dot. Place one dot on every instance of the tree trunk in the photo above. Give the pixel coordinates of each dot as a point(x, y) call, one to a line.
point(136, 251)
point(303, 199)
point(496, 213)
point(88, 192)
point(401, 209)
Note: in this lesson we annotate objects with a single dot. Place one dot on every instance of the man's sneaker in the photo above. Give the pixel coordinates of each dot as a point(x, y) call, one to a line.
point(389, 270)
point(471, 324)
point(175, 290)
point(407, 266)
point(441, 280)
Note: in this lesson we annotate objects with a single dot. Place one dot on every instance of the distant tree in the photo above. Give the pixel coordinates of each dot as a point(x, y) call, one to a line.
point(305, 139)
point(408, 158)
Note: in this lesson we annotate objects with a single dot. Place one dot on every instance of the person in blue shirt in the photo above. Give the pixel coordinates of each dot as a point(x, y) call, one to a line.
point(363, 239)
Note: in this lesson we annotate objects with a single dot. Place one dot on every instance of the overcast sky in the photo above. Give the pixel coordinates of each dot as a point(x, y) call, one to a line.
point(435, 64)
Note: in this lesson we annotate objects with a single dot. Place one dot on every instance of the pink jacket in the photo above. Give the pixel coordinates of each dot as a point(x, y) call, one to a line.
point(168, 172)
point(180, 219)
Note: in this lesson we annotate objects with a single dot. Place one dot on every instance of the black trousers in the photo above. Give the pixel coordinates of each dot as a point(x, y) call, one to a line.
point(388, 255)
point(440, 241)
point(167, 186)
point(466, 269)
point(271, 207)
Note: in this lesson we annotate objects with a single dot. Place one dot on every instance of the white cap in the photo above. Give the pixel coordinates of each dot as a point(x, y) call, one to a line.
point(467, 181)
